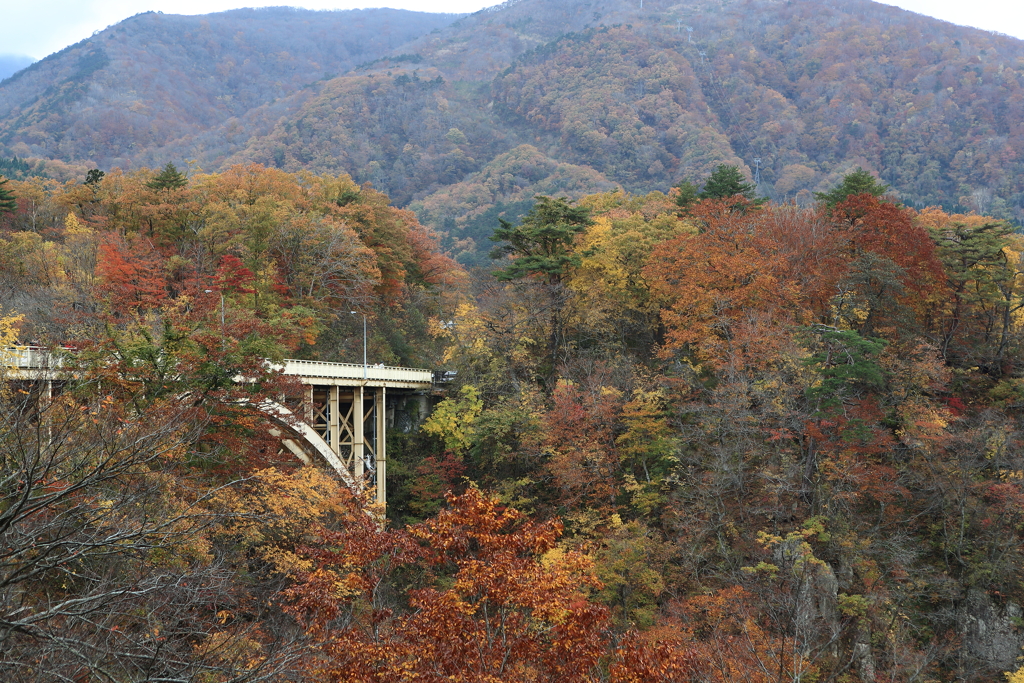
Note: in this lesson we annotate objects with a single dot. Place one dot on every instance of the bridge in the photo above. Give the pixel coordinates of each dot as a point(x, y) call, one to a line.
point(343, 417)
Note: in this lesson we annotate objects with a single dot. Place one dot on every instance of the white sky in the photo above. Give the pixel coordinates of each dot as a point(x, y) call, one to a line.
point(40, 27)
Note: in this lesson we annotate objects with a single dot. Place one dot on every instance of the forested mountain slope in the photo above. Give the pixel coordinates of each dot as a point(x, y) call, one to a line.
point(797, 92)
point(123, 96)
point(811, 91)
point(686, 436)
point(702, 442)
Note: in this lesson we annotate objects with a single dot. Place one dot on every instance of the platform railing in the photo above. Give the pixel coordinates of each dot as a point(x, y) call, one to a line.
point(29, 357)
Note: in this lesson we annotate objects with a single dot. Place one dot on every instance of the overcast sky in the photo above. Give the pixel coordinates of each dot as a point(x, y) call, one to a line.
point(40, 27)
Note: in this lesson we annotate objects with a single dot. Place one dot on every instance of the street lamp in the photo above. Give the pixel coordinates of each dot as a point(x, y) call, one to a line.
point(364, 341)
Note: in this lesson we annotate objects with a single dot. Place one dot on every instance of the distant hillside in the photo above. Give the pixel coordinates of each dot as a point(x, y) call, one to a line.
point(124, 96)
point(468, 211)
point(797, 92)
point(10, 64)
point(810, 91)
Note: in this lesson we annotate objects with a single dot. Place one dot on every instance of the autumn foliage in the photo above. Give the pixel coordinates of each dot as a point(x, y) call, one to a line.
point(501, 603)
point(740, 441)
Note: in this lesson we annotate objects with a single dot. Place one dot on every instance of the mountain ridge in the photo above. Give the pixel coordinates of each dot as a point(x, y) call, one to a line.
point(155, 78)
point(796, 93)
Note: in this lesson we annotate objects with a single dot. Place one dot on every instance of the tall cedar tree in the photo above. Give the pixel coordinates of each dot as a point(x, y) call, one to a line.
point(7, 203)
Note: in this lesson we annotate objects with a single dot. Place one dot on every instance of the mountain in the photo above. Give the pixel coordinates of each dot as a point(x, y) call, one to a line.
point(10, 64)
point(469, 210)
point(131, 94)
point(795, 93)
point(798, 92)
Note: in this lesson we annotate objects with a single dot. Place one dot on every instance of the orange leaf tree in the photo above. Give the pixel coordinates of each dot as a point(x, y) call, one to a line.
point(131, 273)
point(723, 289)
point(499, 603)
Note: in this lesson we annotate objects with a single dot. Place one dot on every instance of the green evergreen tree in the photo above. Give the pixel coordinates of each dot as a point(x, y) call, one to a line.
point(982, 279)
point(688, 194)
point(843, 360)
point(170, 178)
point(7, 202)
point(15, 168)
point(727, 181)
point(542, 244)
point(855, 183)
point(94, 176)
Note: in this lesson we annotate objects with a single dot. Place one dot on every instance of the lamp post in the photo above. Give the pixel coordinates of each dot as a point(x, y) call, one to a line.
point(364, 341)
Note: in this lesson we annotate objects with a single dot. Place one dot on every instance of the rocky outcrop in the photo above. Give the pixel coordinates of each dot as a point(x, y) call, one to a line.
point(992, 632)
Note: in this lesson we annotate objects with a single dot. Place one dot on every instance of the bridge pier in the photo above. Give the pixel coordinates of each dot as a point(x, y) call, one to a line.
point(347, 405)
point(380, 452)
point(354, 424)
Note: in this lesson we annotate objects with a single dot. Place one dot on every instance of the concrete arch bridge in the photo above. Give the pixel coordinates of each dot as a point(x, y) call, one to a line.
point(342, 420)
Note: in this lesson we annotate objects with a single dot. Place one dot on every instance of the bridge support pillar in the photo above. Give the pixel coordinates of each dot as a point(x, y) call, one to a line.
point(334, 411)
point(358, 436)
point(379, 451)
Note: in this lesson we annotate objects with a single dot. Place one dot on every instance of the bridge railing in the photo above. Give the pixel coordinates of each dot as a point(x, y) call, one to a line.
point(39, 359)
point(312, 368)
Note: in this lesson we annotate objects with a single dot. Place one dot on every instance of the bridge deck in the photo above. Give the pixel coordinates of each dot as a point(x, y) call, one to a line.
point(28, 363)
point(33, 363)
point(349, 374)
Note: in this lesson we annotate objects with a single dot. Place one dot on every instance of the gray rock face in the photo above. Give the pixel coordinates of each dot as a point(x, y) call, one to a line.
point(406, 413)
point(991, 632)
point(816, 608)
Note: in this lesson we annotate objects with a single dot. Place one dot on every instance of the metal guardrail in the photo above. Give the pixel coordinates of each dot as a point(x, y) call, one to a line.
point(36, 358)
point(353, 371)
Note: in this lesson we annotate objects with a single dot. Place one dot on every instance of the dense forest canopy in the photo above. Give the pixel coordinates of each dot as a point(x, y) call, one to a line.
point(702, 440)
point(286, 251)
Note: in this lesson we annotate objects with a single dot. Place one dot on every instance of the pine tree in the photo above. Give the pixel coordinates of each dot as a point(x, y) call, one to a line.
point(170, 178)
point(542, 249)
point(727, 181)
point(7, 202)
point(688, 194)
point(856, 183)
point(542, 245)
